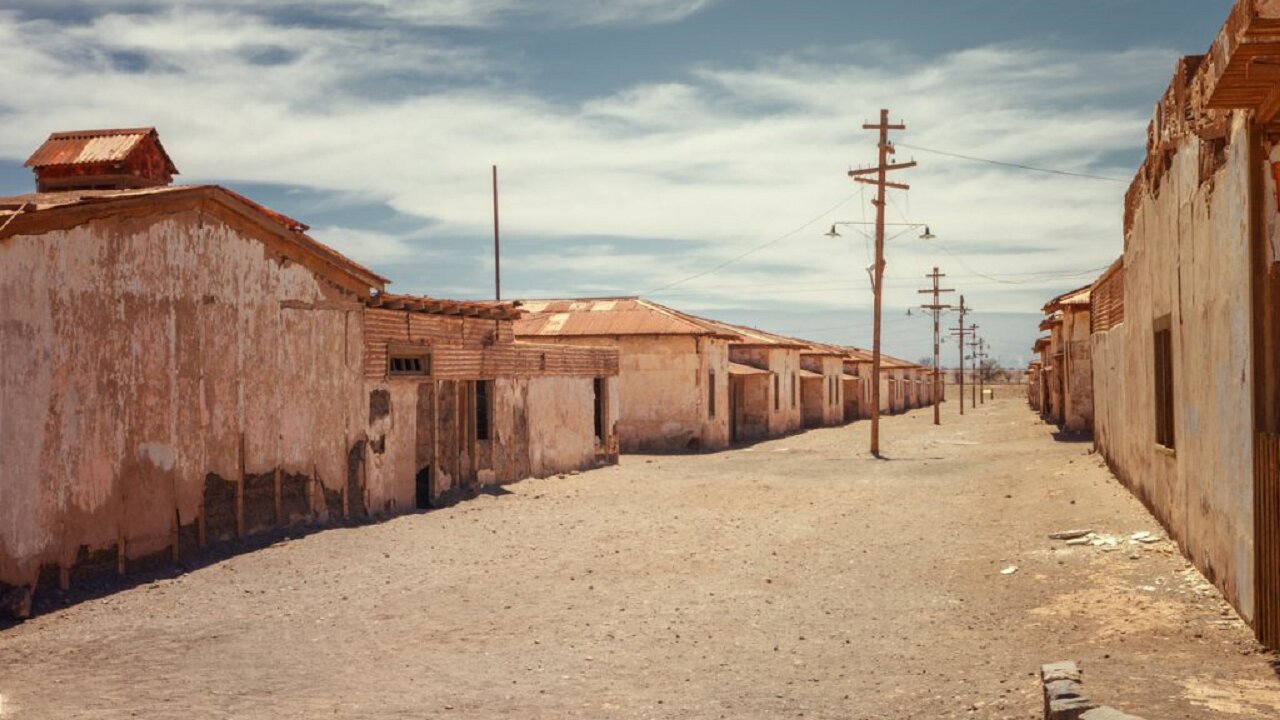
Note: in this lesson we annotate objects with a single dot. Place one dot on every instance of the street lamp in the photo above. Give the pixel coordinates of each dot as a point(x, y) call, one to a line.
point(926, 235)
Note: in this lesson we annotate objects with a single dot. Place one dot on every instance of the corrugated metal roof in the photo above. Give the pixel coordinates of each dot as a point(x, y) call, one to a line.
point(611, 316)
point(91, 146)
point(757, 337)
point(1079, 296)
point(740, 369)
point(809, 375)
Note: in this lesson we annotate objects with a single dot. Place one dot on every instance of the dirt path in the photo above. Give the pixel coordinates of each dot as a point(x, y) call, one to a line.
point(795, 578)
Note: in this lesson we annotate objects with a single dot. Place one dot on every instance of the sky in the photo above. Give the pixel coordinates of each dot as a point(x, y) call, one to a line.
point(691, 151)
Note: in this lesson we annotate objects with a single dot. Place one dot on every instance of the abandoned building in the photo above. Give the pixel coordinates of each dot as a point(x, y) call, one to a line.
point(821, 385)
point(183, 365)
point(777, 410)
point(857, 387)
point(673, 368)
point(1066, 358)
point(1186, 355)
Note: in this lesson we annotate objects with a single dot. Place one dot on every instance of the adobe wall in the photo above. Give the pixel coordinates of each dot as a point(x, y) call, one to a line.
point(824, 403)
point(1187, 256)
point(662, 393)
point(785, 414)
point(166, 379)
point(1078, 402)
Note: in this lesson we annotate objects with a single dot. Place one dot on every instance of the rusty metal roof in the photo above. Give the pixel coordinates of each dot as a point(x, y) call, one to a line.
point(1079, 296)
point(92, 146)
point(740, 369)
point(1051, 321)
point(862, 355)
point(755, 337)
point(439, 306)
point(611, 316)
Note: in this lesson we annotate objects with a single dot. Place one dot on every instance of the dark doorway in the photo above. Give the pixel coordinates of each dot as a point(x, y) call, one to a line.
point(422, 488)
point(598, 388)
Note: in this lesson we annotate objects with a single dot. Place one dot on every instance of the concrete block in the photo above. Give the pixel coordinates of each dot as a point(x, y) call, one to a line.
point(1068, 708)
point(1067, 670)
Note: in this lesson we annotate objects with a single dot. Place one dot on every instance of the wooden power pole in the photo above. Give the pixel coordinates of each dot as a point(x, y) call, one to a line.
point(973, 385)
point(937, 309)
point(958, 332)
point(881, 181)
point(497, 254)
point(982, 371)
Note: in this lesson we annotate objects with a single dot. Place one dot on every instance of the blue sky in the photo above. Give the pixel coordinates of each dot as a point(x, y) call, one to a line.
point(641, 143)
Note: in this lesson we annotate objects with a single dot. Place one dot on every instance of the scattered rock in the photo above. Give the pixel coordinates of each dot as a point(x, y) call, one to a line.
point(1009, 570)
point(1070, 534)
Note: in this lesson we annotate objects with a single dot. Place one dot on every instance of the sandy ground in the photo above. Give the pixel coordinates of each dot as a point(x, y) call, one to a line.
point(794, 578)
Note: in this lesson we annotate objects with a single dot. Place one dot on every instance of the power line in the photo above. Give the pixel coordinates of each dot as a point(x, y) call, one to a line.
point(755, 249)
point(1018, 166)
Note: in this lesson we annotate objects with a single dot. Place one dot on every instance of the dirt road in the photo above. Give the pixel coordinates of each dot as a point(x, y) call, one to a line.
point(795, 578)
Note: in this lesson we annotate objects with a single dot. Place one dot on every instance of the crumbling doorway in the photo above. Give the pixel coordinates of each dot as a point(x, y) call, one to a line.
point(422, 488)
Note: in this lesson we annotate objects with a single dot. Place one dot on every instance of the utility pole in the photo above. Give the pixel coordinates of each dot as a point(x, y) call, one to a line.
point(937, 312)
point(973, 348)
point(497, 269)
point(881, 181)
point(982, 371)
point(959, 332)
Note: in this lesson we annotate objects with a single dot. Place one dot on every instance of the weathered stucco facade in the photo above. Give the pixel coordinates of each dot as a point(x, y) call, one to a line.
point(1185, 381)
point(822, 388)
point(673, 369)
point(1068, 357)
point(182, 366)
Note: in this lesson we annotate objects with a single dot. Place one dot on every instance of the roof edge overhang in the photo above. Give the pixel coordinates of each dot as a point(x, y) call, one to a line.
point(344, 271)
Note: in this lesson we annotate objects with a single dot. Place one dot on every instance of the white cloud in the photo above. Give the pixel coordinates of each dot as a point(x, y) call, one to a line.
point(369, 246)
point(443, 13)
point(730, 156)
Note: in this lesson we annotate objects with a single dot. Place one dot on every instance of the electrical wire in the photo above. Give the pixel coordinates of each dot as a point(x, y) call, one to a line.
point(1018, 166)
point(755, 249)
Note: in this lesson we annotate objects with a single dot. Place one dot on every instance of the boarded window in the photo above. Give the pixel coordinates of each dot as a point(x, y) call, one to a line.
point(777, 393)
point(408, 363)
point(598, 388)
point(711, 393)
point(1164, 382)
point(483, 392)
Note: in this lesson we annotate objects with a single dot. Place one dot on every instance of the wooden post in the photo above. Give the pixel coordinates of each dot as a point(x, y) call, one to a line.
point(936, 308)
point(959, 332)
point(882, 184)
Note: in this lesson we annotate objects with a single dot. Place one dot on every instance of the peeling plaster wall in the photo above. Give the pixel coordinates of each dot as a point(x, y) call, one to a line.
point(823, 400)
point(1187, 255)
point(662, 394)
point(561, 439)
point(145, 356)
point(784, 411)
point(1078, 398)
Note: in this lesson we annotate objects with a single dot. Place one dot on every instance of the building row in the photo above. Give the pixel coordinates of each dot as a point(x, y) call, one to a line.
point(692, 383)
point(1172, 357)
point(180, 365)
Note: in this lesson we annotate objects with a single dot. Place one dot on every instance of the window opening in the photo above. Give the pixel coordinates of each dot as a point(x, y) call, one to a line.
point(597, 386)
point(711, 393)
point(1163, 341)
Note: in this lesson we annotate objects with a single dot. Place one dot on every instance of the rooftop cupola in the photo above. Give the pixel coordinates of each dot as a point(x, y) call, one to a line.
point(116, 159)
